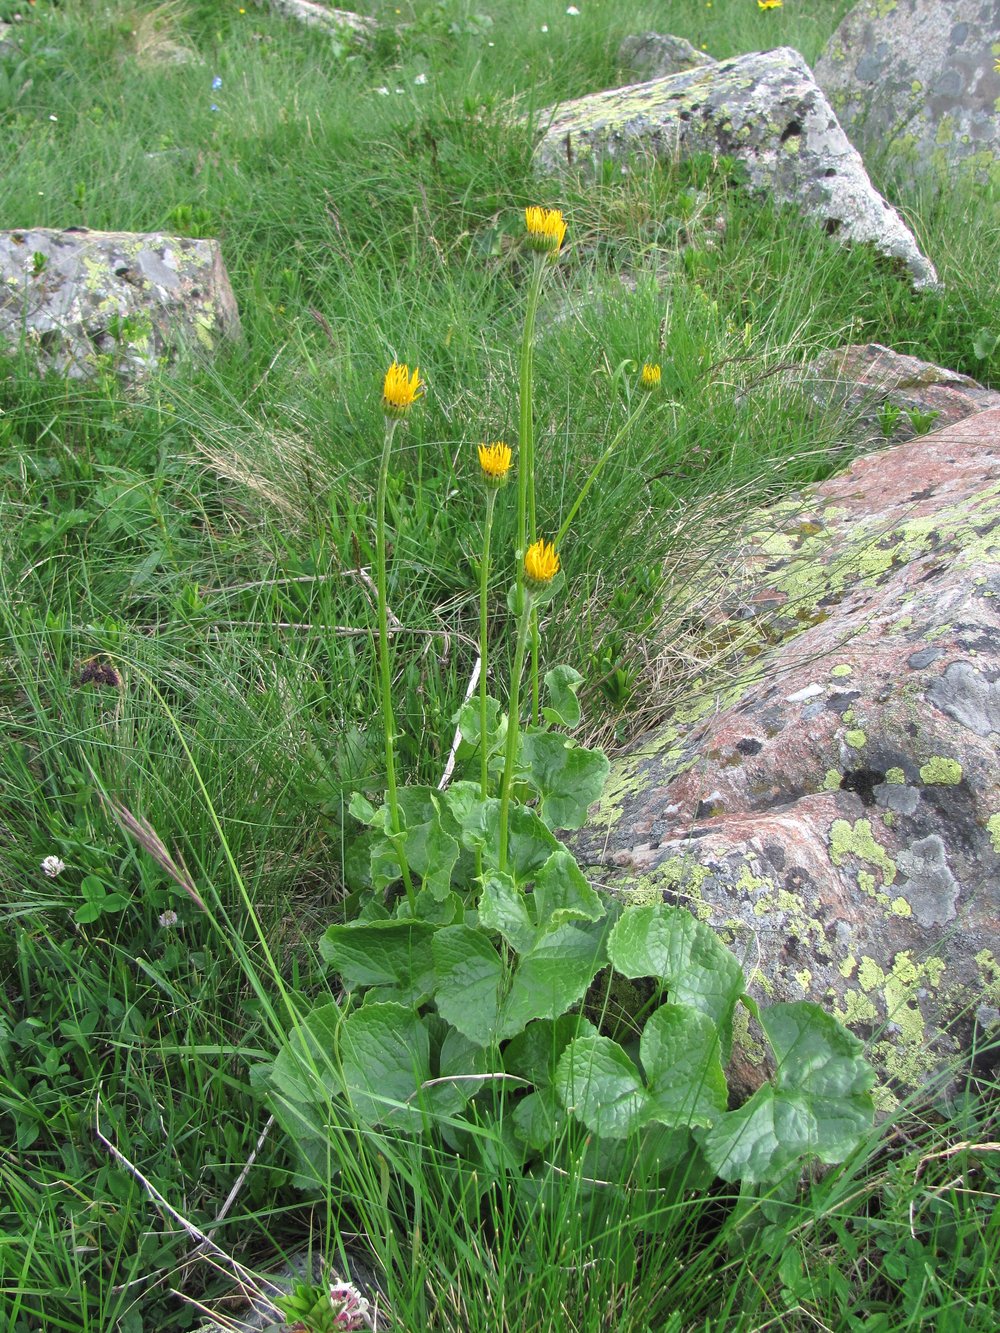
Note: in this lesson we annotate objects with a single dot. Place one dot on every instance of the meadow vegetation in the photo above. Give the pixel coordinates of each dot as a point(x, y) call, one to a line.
point(190, 691)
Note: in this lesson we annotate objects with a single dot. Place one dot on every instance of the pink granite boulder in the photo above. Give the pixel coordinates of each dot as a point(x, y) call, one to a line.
point(833, 805)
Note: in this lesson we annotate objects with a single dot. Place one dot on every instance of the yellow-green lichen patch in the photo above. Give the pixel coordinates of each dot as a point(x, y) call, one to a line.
point(900, 907)
point(993, 829)
point(896, 776)
point(848, 967)
point(847, 717)
point(744, 1041)
point(989, 975)
point(831, 780)
point(857, 1009)
point(677, 877)
point(804, 979)
point(856, 739)
point(857, 840)
point(941, 772)
point(841, 669)
point(905, 1053)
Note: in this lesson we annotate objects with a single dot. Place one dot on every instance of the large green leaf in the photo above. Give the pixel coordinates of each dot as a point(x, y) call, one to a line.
point(686, 955)
point(530, 843)
point(468, 721)
point(385, 1060)
point(814, 1052)
point(534, 1053)
point(818, 1105)
point(473, 817)
point(383, 953)
point(599, 1084)
point(504, 908)
point(469, 975)
point(550, 979)
point(561, 686)
point(567, 777)
point(460, 1063)
point(431, 850)
point(562, 893)
point(304, 1070)
point(539, 1118)
point(679, 1050)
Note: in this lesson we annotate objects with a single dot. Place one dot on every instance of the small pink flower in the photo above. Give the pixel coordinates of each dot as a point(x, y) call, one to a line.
point(353, 1306)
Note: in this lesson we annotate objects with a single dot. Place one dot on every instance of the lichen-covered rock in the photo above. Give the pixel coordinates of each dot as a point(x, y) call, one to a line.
point(81, 300)
point(919, 78)
point(654, 55)
point(834, 808)
point(882, 392)
point(337, 22)
point(765, 110)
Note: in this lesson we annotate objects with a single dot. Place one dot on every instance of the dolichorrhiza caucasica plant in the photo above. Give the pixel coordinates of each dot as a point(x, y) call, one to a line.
point(483, 975)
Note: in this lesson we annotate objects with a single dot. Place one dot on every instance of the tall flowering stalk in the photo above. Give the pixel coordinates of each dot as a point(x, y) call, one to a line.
point(400, 390)
point(546, 232)
point(649, 383)
point(540, 566)
point(494, 461)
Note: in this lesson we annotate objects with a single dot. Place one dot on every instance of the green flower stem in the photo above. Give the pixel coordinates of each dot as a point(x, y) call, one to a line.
point(484, 574)
point(526, 437)
point(513, 728)
point(385, 675)
point(599, 465)
point(526, 526)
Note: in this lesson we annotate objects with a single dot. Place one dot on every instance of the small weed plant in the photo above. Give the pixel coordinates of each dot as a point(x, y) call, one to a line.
point(483, 975)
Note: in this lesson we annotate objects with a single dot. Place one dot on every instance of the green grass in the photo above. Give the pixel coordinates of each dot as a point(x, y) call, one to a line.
point(202, 537)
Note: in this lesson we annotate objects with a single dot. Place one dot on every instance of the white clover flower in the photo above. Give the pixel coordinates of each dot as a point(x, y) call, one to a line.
point(168, 919)
point(53, 866)
point(573, 11)
point(420, 79)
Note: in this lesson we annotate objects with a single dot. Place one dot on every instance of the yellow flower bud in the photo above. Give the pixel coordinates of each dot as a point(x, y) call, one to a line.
point(400, 390)
point(546, 229)
point(541, 563)
point(494, 459)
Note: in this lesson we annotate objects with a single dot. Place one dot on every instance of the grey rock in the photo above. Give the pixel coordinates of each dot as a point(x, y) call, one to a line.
point(78, 301)
point(765, 110)
point(930, 888)
point(337, 22)
point(970, 696)
point(654, 55)
point(917, 78)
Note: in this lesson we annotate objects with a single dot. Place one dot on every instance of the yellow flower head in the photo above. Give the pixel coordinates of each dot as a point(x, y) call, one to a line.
point(541, 564)
point(769, 4)
point(494, 459)
point(400, 390)
point(650, 377)
point(546, 229)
